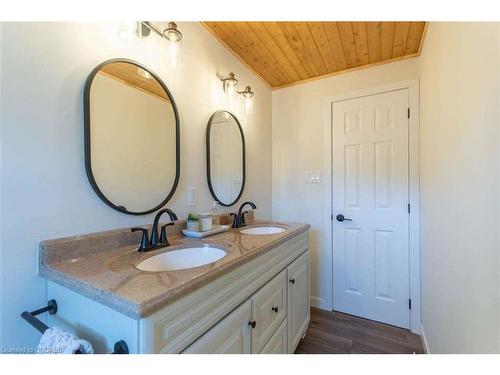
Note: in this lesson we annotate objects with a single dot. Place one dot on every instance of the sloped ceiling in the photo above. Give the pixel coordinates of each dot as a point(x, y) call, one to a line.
point(286, 53)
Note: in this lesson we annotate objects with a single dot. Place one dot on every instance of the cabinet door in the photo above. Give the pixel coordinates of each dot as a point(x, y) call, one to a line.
point(230, 336)
point(268, 310)
point(298, 300)
point(278, 343)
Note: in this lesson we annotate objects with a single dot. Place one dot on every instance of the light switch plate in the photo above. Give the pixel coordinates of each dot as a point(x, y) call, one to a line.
point(193, 197)
point(312, 177)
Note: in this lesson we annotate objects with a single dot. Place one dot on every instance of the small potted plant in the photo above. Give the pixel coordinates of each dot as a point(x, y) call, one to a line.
point(193, 223)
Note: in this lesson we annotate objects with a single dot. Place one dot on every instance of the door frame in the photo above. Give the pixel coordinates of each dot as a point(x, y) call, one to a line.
point(413, 186)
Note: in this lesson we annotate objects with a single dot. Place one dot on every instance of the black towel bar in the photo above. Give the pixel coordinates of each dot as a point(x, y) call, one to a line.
point(120, 346)
point(51, 308)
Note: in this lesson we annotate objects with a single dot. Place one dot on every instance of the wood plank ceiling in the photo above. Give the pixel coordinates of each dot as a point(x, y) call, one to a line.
point(285, 53)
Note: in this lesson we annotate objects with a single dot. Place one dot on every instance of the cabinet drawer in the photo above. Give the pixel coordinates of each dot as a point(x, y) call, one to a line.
point(268, 310)
point(278, 343)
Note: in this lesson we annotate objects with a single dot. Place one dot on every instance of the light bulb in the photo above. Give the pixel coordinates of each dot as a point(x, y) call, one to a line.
point(175, 53)
point(248, 100)
point(231, 89)
point(229, 85)
point(249, 105)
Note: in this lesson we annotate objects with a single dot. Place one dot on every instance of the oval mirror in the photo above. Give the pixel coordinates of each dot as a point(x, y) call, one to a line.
point(225, 158)
point(131, 137)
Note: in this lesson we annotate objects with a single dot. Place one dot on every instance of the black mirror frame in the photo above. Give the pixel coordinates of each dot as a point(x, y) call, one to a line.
point(88, 162)
point(209, 179)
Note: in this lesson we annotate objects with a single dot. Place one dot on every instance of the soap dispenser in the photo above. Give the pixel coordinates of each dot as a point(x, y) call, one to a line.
point(215, 214)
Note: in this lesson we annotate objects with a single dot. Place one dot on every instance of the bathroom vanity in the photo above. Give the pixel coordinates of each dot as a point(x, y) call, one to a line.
point(255, 299)
point(245, 290)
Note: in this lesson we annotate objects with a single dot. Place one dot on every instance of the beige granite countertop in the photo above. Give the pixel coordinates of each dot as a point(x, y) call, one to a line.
point(102, 266)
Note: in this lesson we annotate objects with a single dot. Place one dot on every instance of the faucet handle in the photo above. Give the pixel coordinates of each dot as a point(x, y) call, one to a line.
point(163, 233)
point(235, 220)
point(144, 239)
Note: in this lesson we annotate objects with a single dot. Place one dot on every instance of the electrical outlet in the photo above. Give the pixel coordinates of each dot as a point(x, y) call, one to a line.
point(193, 197)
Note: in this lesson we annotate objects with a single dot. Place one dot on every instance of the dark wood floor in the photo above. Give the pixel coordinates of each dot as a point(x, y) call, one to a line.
point(337, 333)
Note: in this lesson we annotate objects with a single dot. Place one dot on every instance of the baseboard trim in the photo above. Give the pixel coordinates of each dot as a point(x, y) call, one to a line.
point(320, 303)
point(425, 344)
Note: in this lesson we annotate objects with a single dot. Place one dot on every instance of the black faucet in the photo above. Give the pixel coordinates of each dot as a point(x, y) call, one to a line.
point(239, 218)
point(154, 231)
point(156, 241)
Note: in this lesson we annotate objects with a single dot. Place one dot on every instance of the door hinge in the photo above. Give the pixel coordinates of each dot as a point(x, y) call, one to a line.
point(409, 303)
point(408, 112)
point(409, 209)
point(331, 217)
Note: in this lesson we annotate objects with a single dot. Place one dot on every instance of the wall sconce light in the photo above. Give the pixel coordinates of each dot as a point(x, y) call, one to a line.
point(174, 38)
point(248, 100)
point(171, 34)
point(229, 85)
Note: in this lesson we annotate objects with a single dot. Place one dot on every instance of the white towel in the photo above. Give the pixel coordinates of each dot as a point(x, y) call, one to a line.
point(58, 341)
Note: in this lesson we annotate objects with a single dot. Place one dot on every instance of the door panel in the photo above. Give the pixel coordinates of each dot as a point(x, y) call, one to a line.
point(277, 344)
point(230, 336)
point(298, 300)
point(352, 256)
point(370, 187)
point(352, 172)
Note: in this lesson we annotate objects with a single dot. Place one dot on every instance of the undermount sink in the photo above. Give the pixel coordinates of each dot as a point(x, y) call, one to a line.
point(262, 230)
point(182, 259)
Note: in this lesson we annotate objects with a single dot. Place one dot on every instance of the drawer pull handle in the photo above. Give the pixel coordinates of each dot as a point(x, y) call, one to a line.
point(275, 309)
point(292, 281)
point(253, 323)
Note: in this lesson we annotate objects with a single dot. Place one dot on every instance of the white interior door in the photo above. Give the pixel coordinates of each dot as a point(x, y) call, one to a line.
point(370, 189)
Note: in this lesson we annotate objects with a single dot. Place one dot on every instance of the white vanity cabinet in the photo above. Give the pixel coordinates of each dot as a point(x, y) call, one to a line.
point(254, 308)
point(266, 312)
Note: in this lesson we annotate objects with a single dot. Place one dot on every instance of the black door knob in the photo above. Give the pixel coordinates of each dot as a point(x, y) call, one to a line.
point(342, 218)
point(253, 323)
point(275, 309)
point(292, 281)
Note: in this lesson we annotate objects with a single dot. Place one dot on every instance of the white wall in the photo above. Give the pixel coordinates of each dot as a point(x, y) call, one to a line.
point(45, 193)
point(460, 69)
point(298, 146)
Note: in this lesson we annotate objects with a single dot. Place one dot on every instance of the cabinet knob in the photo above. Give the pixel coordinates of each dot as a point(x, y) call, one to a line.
point(252, 323)
point(275, 309)
point(292, 281)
